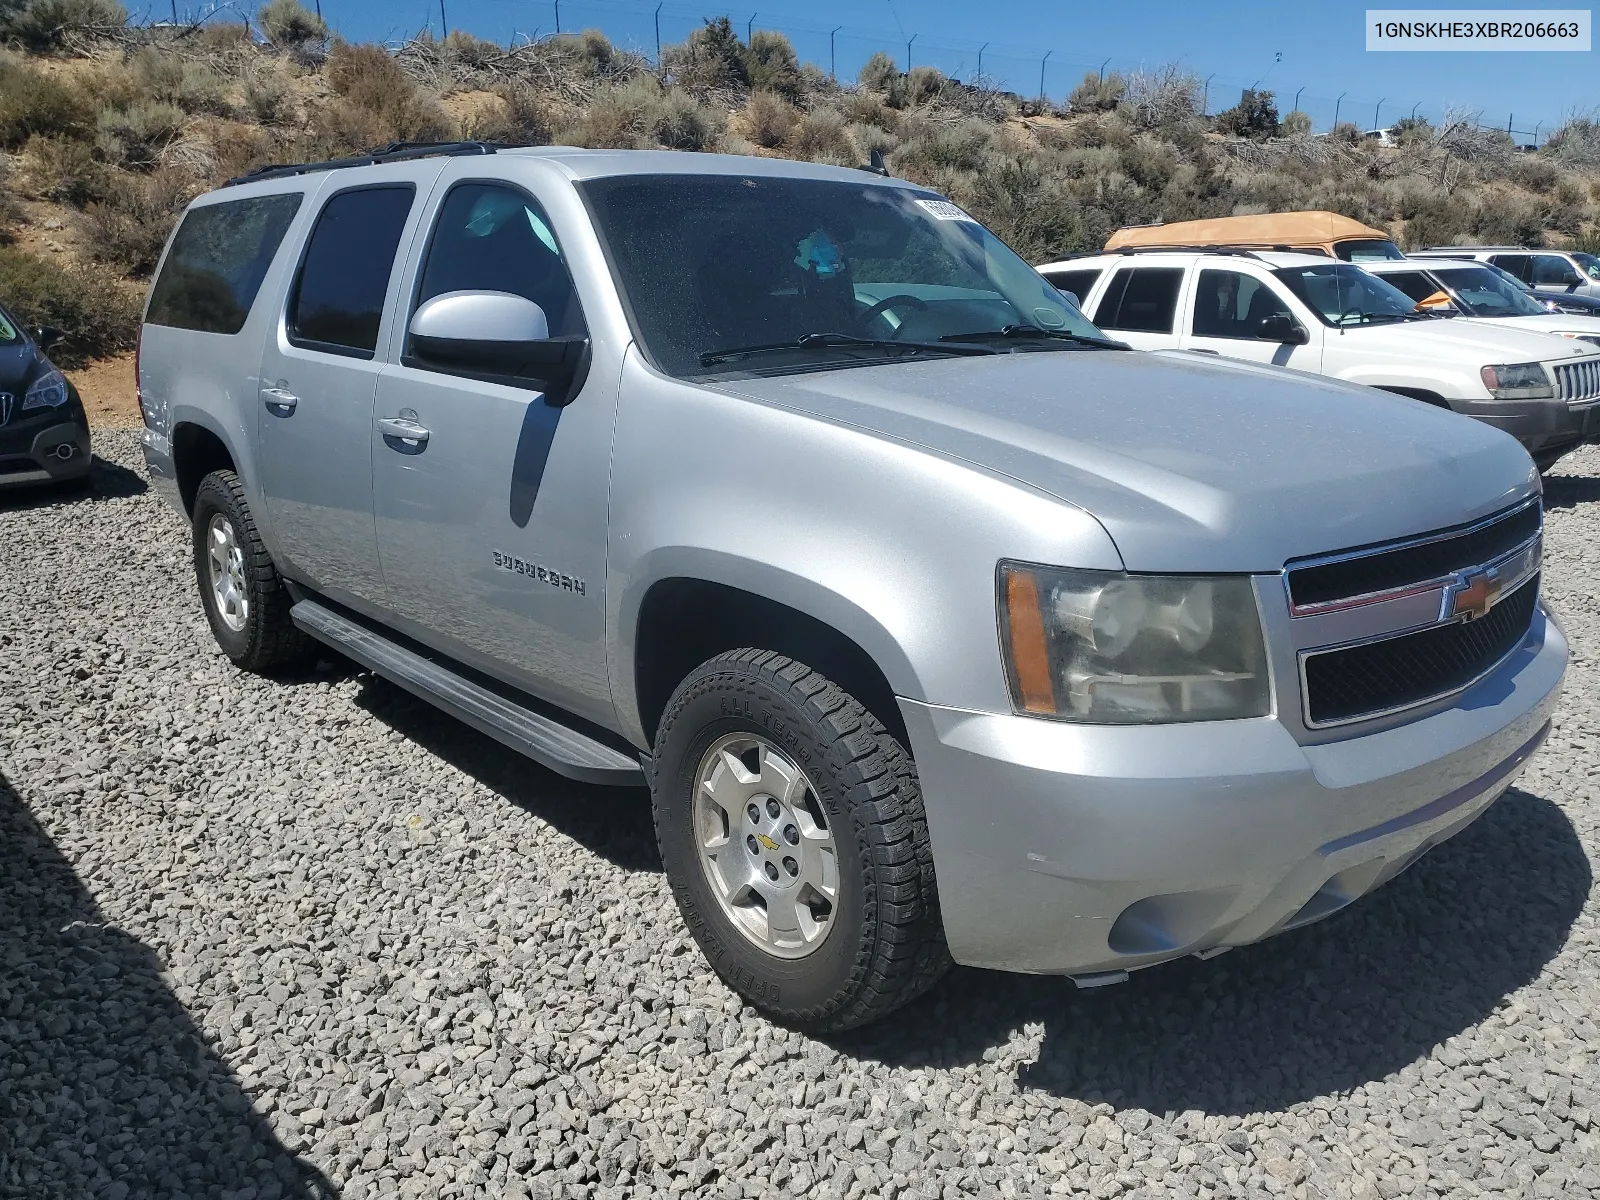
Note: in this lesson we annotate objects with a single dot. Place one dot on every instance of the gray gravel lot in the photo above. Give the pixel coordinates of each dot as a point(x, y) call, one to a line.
point(305, 937)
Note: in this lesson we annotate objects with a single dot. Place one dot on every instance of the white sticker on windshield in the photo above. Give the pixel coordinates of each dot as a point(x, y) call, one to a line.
point(943, 210)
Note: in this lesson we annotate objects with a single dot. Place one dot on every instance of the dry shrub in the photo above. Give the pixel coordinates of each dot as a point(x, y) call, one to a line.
point(925, 85)
point(879, 73)
point(64, 170)
point(267, 95)
point(1163, 98)
point(867, 107)
point(377, 103)
point(1097, 93)
point(958, 147)
point(128, 228)
point(98, 316)
point(768, 119)
point(823, 135)
point(32, 102)
point(45, 25)
point(469, 51)
point(135, 136)
point(289, 24)
point(641, 114)
point(224, 39)
point(771, 65)
point(192, 86)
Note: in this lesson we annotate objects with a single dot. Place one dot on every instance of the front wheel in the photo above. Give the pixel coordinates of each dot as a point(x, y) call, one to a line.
point(792, 831)
point(245, 600)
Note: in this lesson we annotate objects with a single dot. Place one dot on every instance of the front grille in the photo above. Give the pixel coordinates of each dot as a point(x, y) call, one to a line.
point(1342, 685)
point(1579, 382)
point(1382, 570)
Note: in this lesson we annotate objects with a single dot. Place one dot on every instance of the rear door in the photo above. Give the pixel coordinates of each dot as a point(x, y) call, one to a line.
point(319, 374)
point(1140, 306)
point(1224, 315)
point(492, 527)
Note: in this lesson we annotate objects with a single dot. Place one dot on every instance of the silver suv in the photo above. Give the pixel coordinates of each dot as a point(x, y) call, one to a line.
point(939, 626)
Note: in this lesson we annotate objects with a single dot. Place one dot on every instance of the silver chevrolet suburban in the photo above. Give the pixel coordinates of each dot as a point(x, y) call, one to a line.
point(939, 626)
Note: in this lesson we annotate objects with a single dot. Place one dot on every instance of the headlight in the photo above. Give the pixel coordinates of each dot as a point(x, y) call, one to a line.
point(1517, 381)
point(1106, 648)
point(47, 391)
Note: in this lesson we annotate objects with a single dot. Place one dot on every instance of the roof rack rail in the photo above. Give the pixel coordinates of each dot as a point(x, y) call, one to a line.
point(1507, 249)
point(393, 152)
point(1239, 251)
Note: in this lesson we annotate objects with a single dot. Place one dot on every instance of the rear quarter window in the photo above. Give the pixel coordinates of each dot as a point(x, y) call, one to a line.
point(219, 257)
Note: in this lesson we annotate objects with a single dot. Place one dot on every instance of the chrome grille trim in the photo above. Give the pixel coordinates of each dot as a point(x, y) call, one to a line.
point(1578, 383)
point(1299, 611)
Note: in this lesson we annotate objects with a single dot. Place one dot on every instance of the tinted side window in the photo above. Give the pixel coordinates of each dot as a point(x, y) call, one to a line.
point(490, 238)
point(1551, 270)
point(1148, 301)
point(218, 259)
point(1518, 264)
point(1077, 284)
point(338, 298)
point(1413, 283)
point(1230, 304)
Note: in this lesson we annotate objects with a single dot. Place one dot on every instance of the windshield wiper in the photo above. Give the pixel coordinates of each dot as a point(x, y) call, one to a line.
point(1033, 331)
point(825, 341)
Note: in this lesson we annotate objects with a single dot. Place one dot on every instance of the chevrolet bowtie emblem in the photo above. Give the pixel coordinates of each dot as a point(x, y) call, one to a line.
point(1472, 595)
point(767, 842)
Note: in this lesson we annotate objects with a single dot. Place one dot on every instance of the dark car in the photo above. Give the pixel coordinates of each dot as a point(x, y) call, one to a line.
point(44, 434)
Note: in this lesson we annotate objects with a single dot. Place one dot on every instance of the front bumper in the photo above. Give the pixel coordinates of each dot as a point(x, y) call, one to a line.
point(1537, 424)
point(1074, 849)
point(51, 447)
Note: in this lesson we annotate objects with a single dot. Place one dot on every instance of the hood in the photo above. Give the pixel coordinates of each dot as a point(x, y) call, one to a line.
point(1191, 466)
point(1556, 323)
point(19, 363)
point(1480, 340)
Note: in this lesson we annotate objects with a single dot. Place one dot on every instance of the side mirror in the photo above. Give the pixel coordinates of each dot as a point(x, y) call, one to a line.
point(1281, 327)
point(47, 336)
point(495, 334)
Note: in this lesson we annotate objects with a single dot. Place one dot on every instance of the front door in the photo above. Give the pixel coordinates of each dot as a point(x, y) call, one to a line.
point(319, 375)
point(1225, 315)
point(491, 521)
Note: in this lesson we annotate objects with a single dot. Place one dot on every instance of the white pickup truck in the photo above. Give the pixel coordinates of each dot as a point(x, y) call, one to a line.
point(1330, 318)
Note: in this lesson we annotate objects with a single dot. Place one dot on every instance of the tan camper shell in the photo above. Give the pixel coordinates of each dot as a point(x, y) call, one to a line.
point(1310, 232)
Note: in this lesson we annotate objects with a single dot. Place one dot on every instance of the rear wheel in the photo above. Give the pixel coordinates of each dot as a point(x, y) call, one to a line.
point(244, 597)
point(792, 832)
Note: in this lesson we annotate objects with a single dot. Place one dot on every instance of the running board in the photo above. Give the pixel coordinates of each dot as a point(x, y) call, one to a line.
point(548, 742)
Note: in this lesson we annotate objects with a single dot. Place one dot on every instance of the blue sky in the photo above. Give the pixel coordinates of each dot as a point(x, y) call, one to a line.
point(1322, 46)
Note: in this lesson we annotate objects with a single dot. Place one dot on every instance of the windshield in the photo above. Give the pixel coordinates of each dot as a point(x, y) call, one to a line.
point(1485, 293)
point(1368, 250)
point(8, 329)
point(1342, 294)
point(867, 272)
point(1589, 263)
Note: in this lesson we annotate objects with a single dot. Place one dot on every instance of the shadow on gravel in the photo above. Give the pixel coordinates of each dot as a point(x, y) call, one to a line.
point(613, 822)
point(103, 1077)
point(1320, 1010)
point(107, 481)
point(1569, 491)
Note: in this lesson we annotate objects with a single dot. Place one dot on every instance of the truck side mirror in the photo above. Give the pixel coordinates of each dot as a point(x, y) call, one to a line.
point(496, 335)
point(1281, 327)
point(47, 336)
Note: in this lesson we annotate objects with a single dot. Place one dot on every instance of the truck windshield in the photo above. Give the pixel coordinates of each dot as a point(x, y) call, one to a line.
point(1485, 293)
point(1342, 294)
point(1589, 263)
point(767, 274)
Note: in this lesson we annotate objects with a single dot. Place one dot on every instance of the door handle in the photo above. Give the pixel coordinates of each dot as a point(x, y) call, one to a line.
point(403, 428)
point(1203, 350)
point(280, 402)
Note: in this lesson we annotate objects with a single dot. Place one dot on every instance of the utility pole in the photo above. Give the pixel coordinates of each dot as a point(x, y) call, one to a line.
point(443, 24)
point(558, 16)
point(1042, 61)
point(1375, 109)
point(1205, 95)
point(1102, 70)
point(981, 49)
point(1336, 105)
point(174, 12)
point(833, 73)
point(1414, 108)
point(749, 27)
point(658, 36)
point(914, 37)
point(1296, 107)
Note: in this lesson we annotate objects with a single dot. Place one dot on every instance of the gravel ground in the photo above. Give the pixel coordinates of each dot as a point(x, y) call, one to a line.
point(304, 937)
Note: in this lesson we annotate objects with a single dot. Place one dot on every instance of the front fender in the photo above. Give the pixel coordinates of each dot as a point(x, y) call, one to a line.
point(892, 545)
